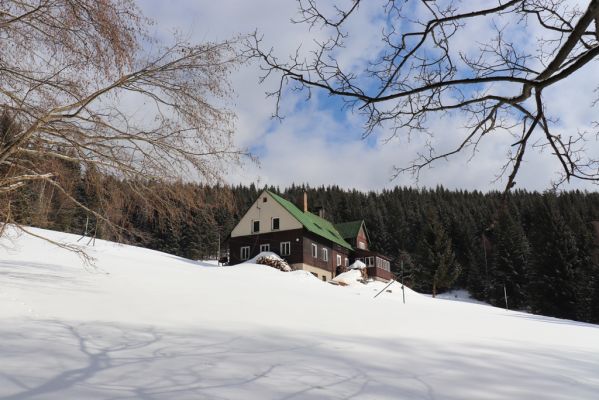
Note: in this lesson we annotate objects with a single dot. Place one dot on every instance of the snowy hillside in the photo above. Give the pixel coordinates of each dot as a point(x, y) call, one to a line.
point(148, 325)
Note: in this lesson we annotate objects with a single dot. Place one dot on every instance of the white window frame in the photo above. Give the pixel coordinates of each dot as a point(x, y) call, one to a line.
point(314, 250)
point(253, 222)
point(264, 247)
point(346, 262)
point(272, 224)
point(325, 254)
point(244, 249)
point(285, 246)
point(338, 259)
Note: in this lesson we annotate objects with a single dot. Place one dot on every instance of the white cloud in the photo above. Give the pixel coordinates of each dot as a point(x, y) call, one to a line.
point(312, 146)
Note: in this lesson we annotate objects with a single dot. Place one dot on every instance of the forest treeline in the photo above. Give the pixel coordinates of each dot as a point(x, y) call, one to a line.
point(542, 251)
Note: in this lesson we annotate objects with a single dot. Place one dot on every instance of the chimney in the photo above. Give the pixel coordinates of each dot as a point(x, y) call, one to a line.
point(305, 201)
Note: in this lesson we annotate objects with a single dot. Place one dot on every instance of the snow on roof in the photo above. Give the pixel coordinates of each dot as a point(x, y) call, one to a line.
point(357, 265)
point(264, 254)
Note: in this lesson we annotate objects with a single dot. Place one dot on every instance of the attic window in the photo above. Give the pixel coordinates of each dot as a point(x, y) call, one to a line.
point(255, 226)
point(264, 199)
point(275, 224)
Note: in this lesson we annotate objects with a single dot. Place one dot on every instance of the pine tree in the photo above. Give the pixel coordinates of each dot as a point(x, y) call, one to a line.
point(437, 264)
point(551, 278)
point(510, 262)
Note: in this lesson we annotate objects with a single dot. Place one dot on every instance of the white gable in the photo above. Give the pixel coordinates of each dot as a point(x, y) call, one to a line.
point(264, 211)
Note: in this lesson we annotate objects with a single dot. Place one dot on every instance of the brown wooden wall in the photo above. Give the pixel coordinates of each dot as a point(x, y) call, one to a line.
point(274, 239)
point(361, 237)
point(334, 249)
point(301, 248)
point(379, 272)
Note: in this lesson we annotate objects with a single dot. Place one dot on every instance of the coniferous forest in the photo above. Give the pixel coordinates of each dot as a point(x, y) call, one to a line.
point(541, 249)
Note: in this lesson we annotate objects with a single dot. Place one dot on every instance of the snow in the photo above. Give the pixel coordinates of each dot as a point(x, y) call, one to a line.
point(351, 277)
point(147, 325)
point(357, 265)
point(264, 254)
point(459, 295)
point(270, 256)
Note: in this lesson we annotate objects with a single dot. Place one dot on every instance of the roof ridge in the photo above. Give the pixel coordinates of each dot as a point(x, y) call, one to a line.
point(311, 221)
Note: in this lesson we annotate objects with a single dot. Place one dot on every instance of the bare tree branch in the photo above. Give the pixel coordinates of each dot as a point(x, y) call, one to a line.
point(422, 71)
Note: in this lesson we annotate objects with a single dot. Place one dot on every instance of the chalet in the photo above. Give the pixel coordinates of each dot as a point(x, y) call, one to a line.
point(307, 241)
point(378, 266)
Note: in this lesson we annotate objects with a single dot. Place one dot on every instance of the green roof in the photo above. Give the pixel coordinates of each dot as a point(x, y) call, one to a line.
point(312, 223)
point(349, 230)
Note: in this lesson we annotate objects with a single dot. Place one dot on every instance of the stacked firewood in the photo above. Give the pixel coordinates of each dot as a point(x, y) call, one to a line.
point(341, 269)
point(274, 262)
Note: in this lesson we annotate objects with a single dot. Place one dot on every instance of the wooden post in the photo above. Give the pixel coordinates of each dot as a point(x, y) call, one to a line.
point(218, 251)
point(403, 292)
point(505, 296)
point(84, 233)
point(390, 283)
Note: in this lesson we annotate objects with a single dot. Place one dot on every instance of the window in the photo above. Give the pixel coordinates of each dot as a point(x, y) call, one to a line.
point(346, 262)
point(275, 224)
point(255, 226)
point(264, 247)
point(361, 244)
point(314, 250)
point(325, 254)
point(285, 248)
point(386, 265)
point(369, 261)
point(245, 252)
point(338, 259)
point(264, 199)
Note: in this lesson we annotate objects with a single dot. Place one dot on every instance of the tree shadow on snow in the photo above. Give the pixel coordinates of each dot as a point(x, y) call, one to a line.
point(58, 360)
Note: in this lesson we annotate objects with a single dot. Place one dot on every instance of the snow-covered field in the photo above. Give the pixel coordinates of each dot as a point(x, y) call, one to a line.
point(148, 325)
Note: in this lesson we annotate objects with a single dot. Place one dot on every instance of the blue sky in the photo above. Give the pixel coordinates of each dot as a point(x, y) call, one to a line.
point(318, 142)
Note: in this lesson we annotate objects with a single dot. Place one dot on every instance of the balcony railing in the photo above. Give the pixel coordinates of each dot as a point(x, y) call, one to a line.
point(379, 273)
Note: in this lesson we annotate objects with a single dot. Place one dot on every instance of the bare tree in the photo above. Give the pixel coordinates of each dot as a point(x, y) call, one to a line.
point(421, 70)
point(82, 82)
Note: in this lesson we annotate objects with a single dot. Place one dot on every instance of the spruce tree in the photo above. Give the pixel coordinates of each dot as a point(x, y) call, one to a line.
point(437, 264)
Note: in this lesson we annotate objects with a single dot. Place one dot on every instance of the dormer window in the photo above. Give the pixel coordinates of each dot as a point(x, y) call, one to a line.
point(275, 224)
point(255, 226)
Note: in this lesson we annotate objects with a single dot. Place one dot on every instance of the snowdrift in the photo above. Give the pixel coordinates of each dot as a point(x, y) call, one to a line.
point(142, 324)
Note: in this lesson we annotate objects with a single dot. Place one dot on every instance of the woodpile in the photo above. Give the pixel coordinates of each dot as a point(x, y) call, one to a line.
point(341, 269)
point(273, 262)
